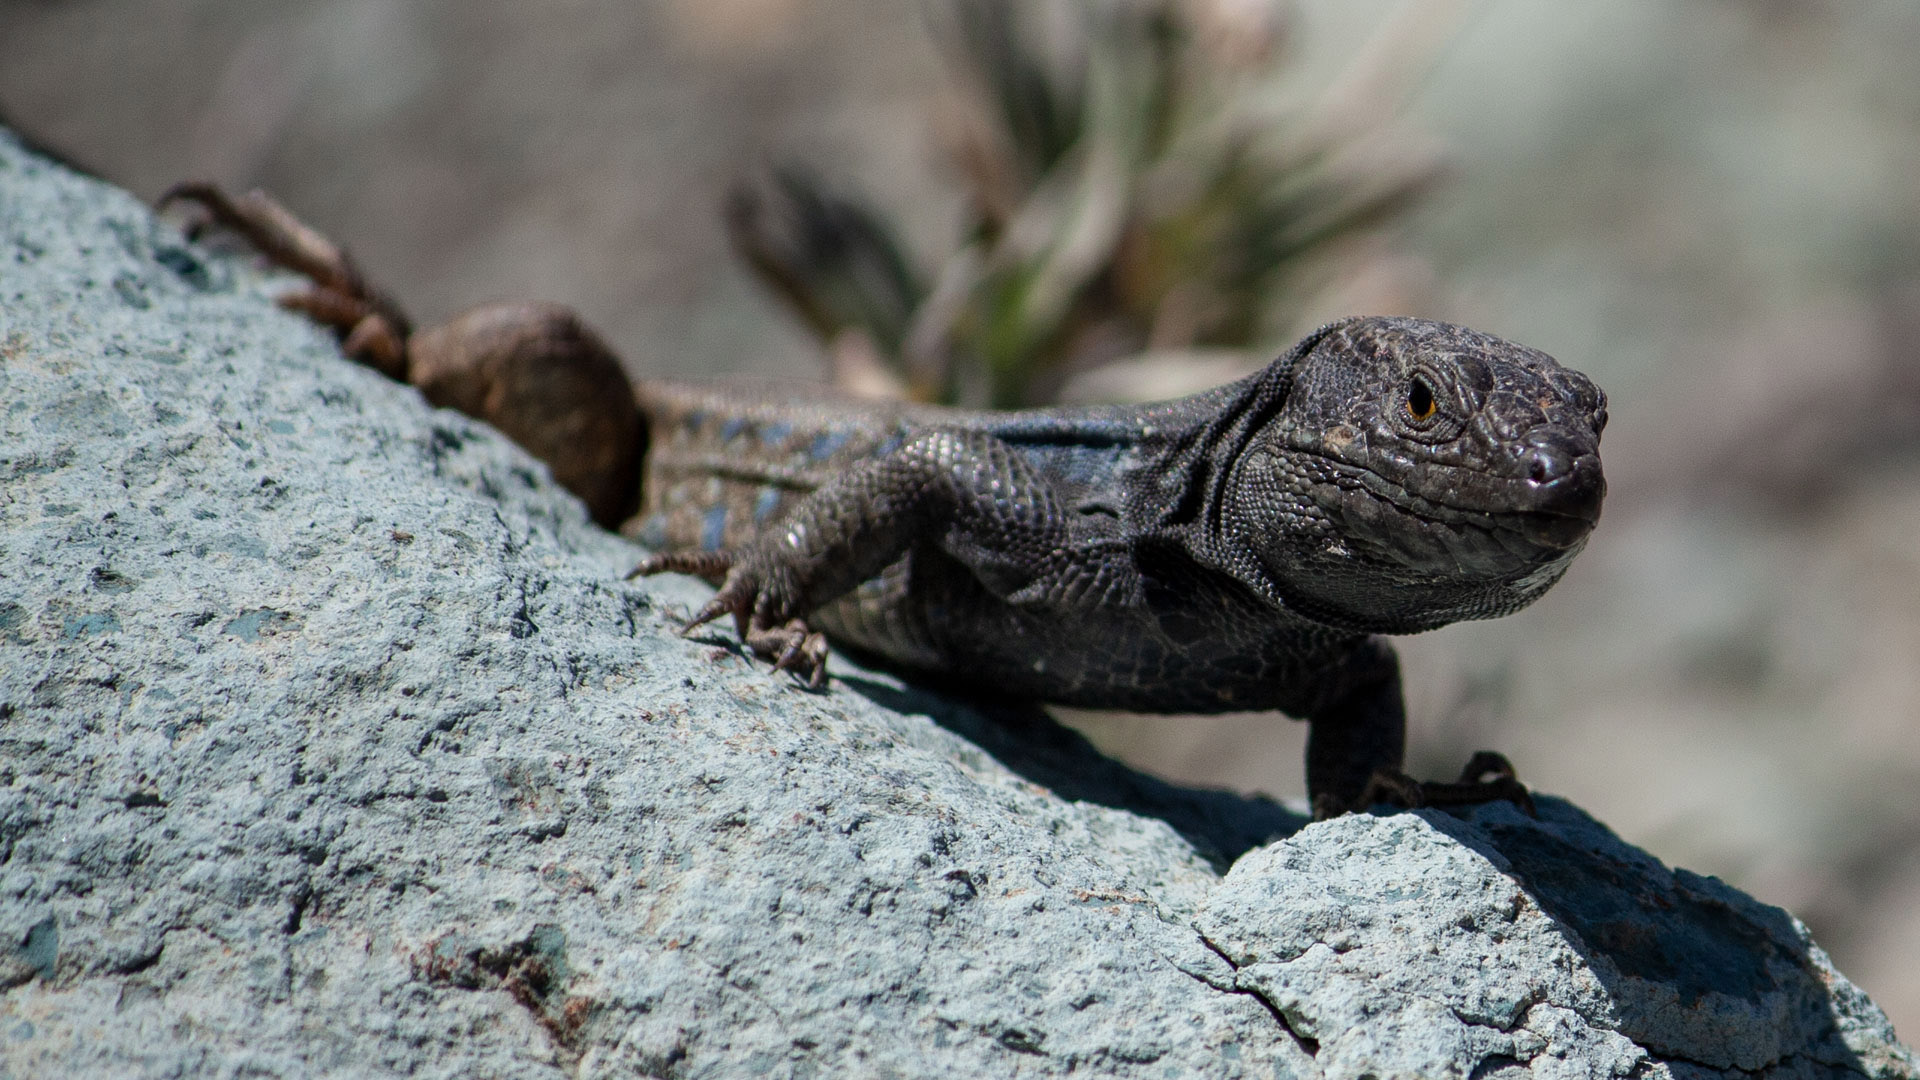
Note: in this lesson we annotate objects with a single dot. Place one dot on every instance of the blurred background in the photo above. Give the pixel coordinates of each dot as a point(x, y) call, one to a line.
point(1711, 206)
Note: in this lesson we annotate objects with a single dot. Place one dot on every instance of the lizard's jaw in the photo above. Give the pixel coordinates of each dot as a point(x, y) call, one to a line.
point(1406, 543)
point(1487, 512)
point(1359, 550)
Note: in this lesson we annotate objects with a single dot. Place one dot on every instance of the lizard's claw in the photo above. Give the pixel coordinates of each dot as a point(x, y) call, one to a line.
point(1488, 777)
point(1487, 766)
point(716, 607)
point(711, 566)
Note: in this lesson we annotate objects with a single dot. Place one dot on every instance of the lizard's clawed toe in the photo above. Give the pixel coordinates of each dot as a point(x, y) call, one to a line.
point(710, 565)
point(1485, 766)
point(1395, 788)
point(720, 605)
point(376, 342)
point(794, 648)
point(1487, 777)
point(736, 596)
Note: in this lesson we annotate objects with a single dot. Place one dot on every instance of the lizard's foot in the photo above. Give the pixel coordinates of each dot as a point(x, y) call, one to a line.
point(371, 327)
point(755, 601)
point(1488, 777)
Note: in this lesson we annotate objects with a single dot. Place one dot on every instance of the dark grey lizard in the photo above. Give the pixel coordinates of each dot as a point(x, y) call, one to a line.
point(1240, 549)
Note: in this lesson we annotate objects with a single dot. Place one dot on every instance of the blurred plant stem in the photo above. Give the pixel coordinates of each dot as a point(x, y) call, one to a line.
point(1135, 183)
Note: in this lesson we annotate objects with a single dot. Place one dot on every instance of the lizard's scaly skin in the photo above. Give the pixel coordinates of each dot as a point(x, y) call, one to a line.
point(1239, 549)
point(1234, 550)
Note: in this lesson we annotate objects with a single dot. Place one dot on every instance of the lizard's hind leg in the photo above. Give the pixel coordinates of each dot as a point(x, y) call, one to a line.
point(372, 328)
point(535, 371)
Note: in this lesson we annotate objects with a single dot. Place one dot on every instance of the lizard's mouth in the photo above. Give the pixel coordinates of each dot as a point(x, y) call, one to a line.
point(1555, 510)
point(1459, 524)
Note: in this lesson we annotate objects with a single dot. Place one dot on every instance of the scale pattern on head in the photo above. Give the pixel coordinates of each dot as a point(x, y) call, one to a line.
point(1415, 473)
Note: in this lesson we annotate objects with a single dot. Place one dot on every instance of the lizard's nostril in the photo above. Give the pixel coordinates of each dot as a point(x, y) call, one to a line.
point(1547, 464)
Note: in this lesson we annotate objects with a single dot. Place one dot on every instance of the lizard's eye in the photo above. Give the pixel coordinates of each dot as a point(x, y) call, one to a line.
point(1420, 402)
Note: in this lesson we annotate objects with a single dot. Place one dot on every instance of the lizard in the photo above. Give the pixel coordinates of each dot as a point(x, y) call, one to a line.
point(1245, 548)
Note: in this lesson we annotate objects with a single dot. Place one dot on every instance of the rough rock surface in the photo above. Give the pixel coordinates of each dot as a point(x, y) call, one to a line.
point(332, 744)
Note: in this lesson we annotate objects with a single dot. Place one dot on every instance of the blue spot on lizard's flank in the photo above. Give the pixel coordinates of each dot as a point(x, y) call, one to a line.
point(893, 443)
point(776, 433)
point(825, 443)
point(731, 431)
point(714, 529)
point(765, 505)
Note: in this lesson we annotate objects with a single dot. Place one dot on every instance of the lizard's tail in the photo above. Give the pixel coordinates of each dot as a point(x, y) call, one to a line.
point(542, 376)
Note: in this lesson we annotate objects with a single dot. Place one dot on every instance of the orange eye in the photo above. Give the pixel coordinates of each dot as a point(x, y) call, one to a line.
point(1420, 403)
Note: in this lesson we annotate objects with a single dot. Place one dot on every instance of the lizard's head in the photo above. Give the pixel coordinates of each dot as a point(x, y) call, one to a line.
point(1421, 474)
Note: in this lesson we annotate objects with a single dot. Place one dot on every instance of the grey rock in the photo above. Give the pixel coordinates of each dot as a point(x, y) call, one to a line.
point(332, 744)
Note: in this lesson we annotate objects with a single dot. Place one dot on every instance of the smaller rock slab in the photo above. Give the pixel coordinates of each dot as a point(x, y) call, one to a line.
point(1501, 945)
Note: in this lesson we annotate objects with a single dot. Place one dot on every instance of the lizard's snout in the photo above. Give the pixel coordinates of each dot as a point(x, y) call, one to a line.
point(1566, 483)
point(1564, 479)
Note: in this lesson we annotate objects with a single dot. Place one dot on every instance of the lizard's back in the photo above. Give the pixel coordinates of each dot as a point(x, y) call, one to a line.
point(725, 462)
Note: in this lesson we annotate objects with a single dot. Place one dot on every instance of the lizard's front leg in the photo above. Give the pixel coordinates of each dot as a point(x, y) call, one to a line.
point(967, 493)
point(535, 371)
point(1356, 742)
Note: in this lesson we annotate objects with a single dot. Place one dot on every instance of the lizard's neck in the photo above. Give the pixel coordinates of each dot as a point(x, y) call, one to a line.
point(1177, 490)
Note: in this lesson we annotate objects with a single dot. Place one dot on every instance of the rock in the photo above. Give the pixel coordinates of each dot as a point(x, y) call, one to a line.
point(333, 744)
